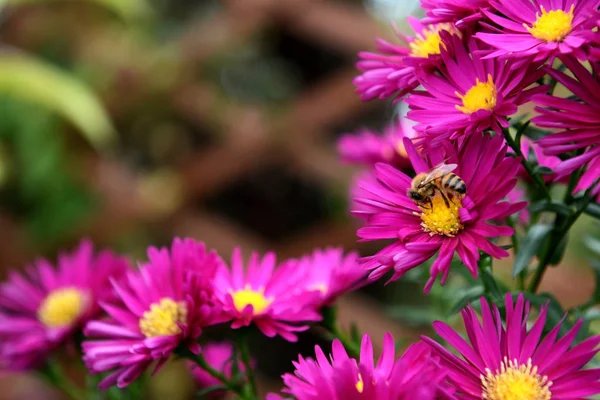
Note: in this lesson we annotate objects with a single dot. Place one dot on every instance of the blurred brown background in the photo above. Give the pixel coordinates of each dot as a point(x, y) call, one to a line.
point(222, 121)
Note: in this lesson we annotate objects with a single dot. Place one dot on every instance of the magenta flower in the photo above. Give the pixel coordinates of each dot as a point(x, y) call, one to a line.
point(277, 300)
point(332, 273)
point(471, 94)
point(530, 150)
point(540, 28)
point(368, 148)
point(459, 12)
point(391, 70)
point(164, 305)
point(416, 375)
point(46, 306)
point(510, 361)
point(219, 357)
point(419, 232)
point(578, 122)
point(518, 194)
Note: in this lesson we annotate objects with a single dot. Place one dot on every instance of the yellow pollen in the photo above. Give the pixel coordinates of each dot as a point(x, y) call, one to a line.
point(515, 382)
point(256, 298)
point(482, 96)
point(62, 307)
point(428, 42)
point(553, 25)
point(162, 318)
point(360, 385)
point(440, 219)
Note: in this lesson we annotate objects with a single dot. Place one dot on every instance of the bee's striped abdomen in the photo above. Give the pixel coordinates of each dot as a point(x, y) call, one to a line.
point(453, 182)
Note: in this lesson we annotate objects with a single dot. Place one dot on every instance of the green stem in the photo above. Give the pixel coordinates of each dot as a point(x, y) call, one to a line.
point(202, 363)
point(561, 228)
point(330, 325)
point(54, 375)
point(537, 179)
point(515, 244)
point(242, 342)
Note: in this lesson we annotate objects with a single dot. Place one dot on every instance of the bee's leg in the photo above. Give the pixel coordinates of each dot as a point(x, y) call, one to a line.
point(444, 196)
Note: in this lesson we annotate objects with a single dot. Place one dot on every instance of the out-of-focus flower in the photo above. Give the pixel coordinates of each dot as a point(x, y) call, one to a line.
point(456, 224)
point(332, 273)
point(459, 12)
point(517, 194)
point(530, 150)
point(540, 28)
point(368, 148)
point(163, 305)
point(471, 94)
point(390, 72)
point(415, 375)
point(508, 361)
point(578, 121)
point(219, 356)
point(276, 300)
point(44, 307)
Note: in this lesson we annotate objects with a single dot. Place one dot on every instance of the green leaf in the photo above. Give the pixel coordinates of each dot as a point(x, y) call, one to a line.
point(470, 294)
point(593, 210)
point(521, 130)
point(355, 333)
point(540, 169)
point(210, 390)
point(28, 78)
point(555, 312)
point(593, 244)
point(558, 254)
point(532, 242)
point(124, 9)
point(552, 206)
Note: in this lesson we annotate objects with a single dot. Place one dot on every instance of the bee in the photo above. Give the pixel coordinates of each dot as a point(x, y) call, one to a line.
point(440, 179)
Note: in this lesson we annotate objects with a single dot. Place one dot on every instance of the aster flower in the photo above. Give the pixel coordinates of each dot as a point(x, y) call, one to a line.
point(391, 70)
point(218, 355)
point(459, 12)
point(46, 306)
point(277, 300)
point(517, 194)
point(460, 227)
point(162, 306)
point(332, 273)
point(540, 28)
point(532, 150)
point(368, 148)
point(578, 121)
point(416, 375)
point(510, 361)
point(471, 94)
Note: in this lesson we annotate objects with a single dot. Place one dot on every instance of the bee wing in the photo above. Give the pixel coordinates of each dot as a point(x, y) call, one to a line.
point(438, 171)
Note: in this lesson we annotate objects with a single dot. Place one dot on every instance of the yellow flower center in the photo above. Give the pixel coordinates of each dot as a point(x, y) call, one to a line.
point(163, 317)
point(553, 25)
point(360, 385)
point(442, 219)
point(62, 307)
point(256, 298)
point(428, 42)
point(515, 382)
point(482, 96)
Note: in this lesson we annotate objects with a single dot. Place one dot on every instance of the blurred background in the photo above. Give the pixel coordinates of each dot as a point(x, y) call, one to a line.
point(133, 121)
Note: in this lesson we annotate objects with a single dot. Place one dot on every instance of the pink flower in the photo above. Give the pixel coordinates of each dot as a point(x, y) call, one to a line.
point(391, 70)
point(517, 194)
point(219, 357)
point(471, 94)
point(331, 273)
point(46, 306)
point(578, 121)
point(164, 305)
point(509, 360)
point(368, 148)
point(415, 375)
point(460, 226)
point(532, 151)
point(540, 28)
point(276, 300)
point(459, 12)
